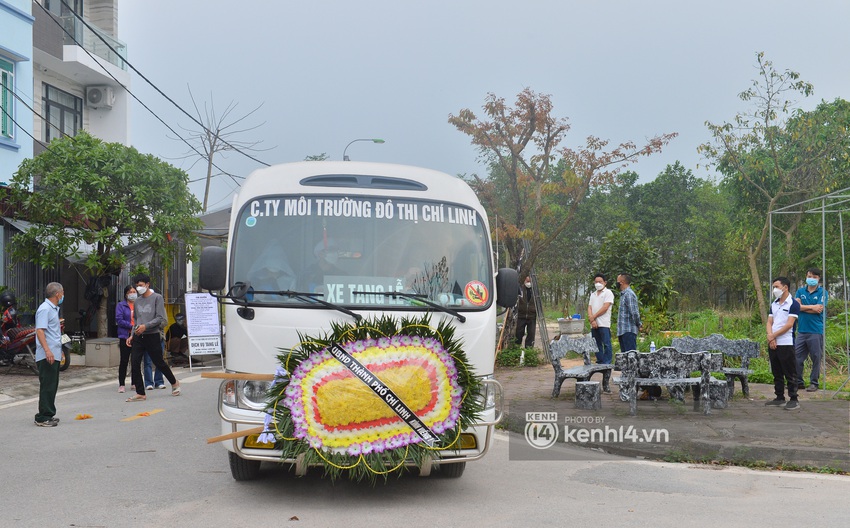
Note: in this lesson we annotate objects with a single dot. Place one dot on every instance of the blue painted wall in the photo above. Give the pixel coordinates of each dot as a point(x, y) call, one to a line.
point(16, 47)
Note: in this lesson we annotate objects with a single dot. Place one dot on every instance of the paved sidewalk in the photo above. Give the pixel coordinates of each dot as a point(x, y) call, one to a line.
point(818, 434)
point(20, 384)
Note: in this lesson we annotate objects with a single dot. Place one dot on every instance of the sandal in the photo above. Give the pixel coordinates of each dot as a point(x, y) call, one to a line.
point(175, 391)
point(136, 398)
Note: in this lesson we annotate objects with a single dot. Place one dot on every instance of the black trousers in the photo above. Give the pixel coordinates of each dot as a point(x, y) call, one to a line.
point(48, 385)
point(124, 361)
point(524, 324)
point(783, 364)
point(152, 344)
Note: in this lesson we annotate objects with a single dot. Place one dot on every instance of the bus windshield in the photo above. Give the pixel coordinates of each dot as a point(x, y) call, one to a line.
point(350, 251)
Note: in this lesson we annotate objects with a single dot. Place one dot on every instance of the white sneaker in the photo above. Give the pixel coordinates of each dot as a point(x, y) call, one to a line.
point(148, 387)
point(160, 386)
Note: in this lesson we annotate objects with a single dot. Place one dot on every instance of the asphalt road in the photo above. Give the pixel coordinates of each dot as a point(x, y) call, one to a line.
point(123, 469)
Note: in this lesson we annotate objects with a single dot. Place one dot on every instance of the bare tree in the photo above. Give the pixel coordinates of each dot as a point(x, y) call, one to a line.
point(219, 134)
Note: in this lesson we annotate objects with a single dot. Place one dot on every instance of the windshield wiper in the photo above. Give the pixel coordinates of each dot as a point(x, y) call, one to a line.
point(241, 290)
point(419, 298)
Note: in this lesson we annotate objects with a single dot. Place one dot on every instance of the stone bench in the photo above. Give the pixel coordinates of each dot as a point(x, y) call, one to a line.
point(585, 346)
point(667, 367)
point(739, 348)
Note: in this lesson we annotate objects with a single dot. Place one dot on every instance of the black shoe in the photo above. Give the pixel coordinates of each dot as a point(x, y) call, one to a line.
point(793, 405)
point(801, 386)
point(775, 402)
point(47, 423)
point(812, 388)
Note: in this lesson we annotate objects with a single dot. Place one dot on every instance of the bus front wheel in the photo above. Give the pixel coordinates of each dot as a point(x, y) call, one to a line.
point(452, 470)
point(242, 469)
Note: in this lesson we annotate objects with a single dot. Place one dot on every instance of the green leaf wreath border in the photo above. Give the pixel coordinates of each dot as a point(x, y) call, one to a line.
point(279, 425)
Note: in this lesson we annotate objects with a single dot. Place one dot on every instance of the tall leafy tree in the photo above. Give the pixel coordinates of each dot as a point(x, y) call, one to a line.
point(534, 180)
point(627, 250)
point(774, 155)
point(85, 191)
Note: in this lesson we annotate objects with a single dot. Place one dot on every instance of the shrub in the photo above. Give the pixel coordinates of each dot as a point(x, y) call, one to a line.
point(510, 357)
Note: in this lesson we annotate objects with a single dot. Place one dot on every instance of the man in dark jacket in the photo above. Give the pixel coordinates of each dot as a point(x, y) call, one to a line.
point(526, 310)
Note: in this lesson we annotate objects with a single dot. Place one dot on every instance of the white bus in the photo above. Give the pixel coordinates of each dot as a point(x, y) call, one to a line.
point(317, 243)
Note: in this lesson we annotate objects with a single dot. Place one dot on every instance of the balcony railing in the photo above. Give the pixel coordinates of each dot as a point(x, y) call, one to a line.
point(92, 42)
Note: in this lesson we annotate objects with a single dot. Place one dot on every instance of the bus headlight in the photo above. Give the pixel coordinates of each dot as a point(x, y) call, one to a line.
point(488, 393)
point(245, 394)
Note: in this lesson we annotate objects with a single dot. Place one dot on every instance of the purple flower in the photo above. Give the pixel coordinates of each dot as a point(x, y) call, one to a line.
point(371, 342)
point(280, 374)
point(354, 450)
point(383, 342)
point(416, 341)
point(379, 446)
point(367, 448)
point(314, 441)
point(395, 340)
point(266, 437)
point(405, 340)
point(359, 346)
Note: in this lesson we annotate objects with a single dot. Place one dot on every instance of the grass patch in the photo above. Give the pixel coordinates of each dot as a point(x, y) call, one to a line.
point(516, 357)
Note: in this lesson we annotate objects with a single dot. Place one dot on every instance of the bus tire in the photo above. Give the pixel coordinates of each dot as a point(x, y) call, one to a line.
point(242, 469)
point(452, 470)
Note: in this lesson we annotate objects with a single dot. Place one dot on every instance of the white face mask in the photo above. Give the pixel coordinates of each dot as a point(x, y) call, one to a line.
point(132, 296)
point(141, 290)
point(777, 292)
point(528, 285)
point(598, 285)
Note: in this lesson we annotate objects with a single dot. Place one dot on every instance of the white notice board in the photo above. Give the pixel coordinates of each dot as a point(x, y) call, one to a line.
point(202, 325)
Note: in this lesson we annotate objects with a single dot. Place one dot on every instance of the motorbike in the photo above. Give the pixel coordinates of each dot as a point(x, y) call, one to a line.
point(18, 343)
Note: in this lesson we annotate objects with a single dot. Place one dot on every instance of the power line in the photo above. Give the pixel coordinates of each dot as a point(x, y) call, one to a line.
point(155, 87)
point(19, 127)
point(146, 107)
point(31, 109)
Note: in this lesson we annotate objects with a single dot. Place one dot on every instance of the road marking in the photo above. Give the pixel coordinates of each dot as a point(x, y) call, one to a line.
point(190, 379)
point(143, 414)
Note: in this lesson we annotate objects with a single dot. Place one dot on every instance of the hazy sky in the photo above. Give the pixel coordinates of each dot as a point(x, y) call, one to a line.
point(328, 72)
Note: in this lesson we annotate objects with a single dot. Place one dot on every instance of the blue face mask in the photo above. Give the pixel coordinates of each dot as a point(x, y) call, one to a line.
point(811, 281)
point(61, 299)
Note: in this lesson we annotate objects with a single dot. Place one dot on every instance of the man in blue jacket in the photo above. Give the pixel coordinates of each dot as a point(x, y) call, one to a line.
point(809, 343)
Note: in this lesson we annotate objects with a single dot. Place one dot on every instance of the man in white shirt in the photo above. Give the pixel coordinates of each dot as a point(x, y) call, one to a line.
point(599, 314)
point(780, 344)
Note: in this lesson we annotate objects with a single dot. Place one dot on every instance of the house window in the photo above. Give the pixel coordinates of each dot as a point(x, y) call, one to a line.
point(7, 84)
point(63, 113)
point(60, 7)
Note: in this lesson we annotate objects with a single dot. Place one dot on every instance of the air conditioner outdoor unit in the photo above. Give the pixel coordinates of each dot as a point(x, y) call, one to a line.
point(100, 97)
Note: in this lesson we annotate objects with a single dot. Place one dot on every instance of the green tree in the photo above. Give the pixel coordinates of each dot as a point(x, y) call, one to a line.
point(107, 195)
point(534, 181)
point(626, 250)
point(774, 155)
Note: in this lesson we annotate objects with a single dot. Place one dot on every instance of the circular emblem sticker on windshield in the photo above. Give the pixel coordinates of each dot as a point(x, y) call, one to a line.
point(476, 293)
point(251, 221)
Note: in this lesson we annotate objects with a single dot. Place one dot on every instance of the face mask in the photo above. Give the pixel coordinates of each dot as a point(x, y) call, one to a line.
point(598, 285)
point(141, 290)
point(811, 281)
point(777, 292)
point(132, 296)
point(61, 300)
point(528, 285)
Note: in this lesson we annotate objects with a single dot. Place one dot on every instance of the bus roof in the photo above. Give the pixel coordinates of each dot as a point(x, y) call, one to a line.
point(342, 177)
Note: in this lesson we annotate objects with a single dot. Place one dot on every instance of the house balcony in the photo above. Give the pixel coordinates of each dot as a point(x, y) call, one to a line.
point(68, 53)
point(90, 38)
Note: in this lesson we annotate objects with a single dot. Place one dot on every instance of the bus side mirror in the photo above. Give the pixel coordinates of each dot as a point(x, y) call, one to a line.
point(507, 287)
point(212, 270)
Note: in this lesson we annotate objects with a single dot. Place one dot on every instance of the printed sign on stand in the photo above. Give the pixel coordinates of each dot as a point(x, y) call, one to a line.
point(202, 325)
